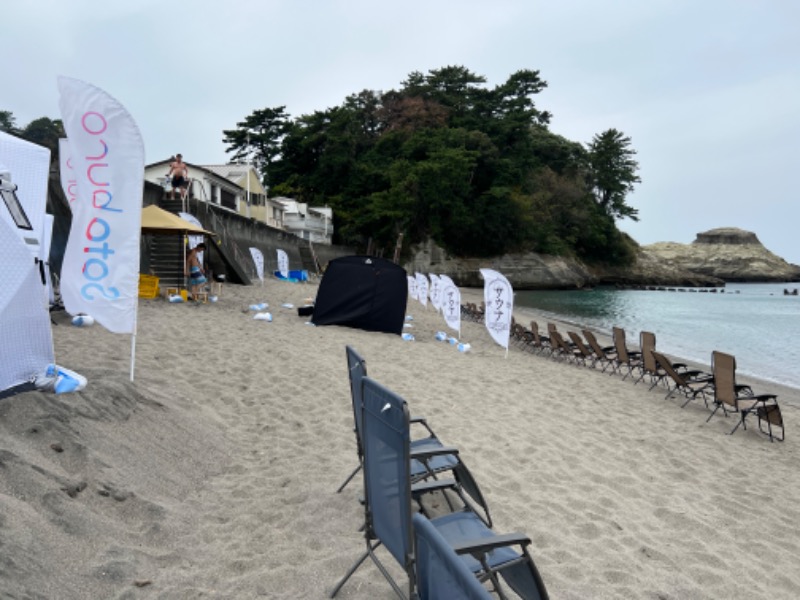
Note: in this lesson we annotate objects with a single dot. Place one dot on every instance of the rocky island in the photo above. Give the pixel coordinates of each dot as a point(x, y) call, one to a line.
point(728, 254)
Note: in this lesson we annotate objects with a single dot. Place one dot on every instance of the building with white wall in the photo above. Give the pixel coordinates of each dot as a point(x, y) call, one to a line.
point(314, 224)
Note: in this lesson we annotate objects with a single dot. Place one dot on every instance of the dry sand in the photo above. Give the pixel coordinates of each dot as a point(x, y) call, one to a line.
point(213, 475)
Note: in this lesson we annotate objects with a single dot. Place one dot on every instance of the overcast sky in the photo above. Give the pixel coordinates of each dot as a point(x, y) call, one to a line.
point(707, 90)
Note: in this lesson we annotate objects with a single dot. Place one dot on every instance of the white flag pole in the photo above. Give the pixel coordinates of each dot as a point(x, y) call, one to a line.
point(133, 353)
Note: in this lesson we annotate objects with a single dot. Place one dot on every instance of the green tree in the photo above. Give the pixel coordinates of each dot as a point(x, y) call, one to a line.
point(445, 157)
point(45, 132)
point(613, 173)
point(258, 138)
point(7, 122)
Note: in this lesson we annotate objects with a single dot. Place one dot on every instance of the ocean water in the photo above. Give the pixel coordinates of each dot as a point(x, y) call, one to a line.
point(756, 323)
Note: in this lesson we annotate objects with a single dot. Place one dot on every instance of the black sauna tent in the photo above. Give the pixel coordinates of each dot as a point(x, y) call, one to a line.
point(365, 292)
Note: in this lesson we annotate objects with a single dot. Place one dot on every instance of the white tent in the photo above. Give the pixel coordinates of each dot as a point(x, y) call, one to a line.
point(29, 165)
point(26, 342)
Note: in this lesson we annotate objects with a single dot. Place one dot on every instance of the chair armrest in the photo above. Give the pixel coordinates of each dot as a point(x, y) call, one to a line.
point(433, 485)
point(760, 400)
point(699, 376)
point(428, 452)
point(422, 421)
point(487, 544)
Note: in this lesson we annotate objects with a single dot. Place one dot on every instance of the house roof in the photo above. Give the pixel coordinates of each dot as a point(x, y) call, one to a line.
point(233, 172)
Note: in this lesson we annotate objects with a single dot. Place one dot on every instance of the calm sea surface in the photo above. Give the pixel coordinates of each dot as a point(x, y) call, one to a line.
point(756, 323)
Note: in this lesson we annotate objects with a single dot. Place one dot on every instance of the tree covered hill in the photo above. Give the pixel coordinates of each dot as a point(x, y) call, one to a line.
point(444, 157)
point(476, 169)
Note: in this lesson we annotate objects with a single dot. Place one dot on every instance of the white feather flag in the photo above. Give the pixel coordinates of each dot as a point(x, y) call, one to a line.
point(258, 260)
point(412, 287)
point(283, 264)
point(422, 289)
point(435, 292)
point(194, 240)
point(450, 302)
point(499, 298)
point(100, 271)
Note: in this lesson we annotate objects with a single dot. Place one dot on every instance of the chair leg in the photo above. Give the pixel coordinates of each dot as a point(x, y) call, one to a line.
point(764, 416)
point(354, 568)
point(739, 422)
point(713, 412)
point(385, 573)
point(349, 478)
point(347, 575)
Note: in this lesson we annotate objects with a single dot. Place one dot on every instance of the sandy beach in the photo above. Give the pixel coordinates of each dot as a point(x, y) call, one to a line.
point(214, 474)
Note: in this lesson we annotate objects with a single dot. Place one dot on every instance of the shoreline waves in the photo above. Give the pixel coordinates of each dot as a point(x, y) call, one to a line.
point(213, 475)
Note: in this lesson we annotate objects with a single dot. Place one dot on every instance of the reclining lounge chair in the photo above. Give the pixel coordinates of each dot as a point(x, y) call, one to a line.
point(429, 456)
point(690, 383)
point(540, 342)
point(651, 368)
point(388, 501)
point(605, 356)
point(560, 348)
point(630, 360)
point(733, 397)
point(441, 574)
point(583, 354)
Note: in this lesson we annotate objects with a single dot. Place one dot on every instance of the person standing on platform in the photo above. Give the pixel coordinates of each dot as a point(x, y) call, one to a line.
point(180, 177)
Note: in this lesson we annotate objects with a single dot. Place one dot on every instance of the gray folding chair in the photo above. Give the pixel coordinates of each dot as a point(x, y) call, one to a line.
point(388, 502)
point(441, 574)
point(429, 456)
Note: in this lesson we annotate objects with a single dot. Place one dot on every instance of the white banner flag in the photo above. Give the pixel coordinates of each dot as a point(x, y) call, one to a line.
point(422, 289)
point(69, 182)
point(283, 264)
point(450, 302)
point(412, 287)
point(100, 271)
point(499, 298)
point(258, 259)
point(194, 240)
point(435, 292)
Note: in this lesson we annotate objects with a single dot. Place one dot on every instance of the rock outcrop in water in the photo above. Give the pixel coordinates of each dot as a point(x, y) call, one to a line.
point(727, 253)
point(716, 256)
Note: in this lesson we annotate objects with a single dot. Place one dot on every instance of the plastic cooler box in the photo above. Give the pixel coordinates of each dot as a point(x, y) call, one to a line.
point(293, 276)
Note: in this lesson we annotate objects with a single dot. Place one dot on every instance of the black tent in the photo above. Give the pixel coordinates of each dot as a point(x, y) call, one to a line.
point(364, 292)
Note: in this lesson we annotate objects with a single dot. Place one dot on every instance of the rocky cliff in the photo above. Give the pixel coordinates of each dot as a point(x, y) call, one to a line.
point(716, 256)
point(727, 253)
point(528, 271)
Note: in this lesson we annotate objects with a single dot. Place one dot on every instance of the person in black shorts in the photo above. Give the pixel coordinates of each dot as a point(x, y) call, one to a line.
point(180, 176)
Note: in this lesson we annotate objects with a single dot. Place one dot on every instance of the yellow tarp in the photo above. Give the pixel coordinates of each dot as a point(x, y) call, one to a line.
point(156, 220)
